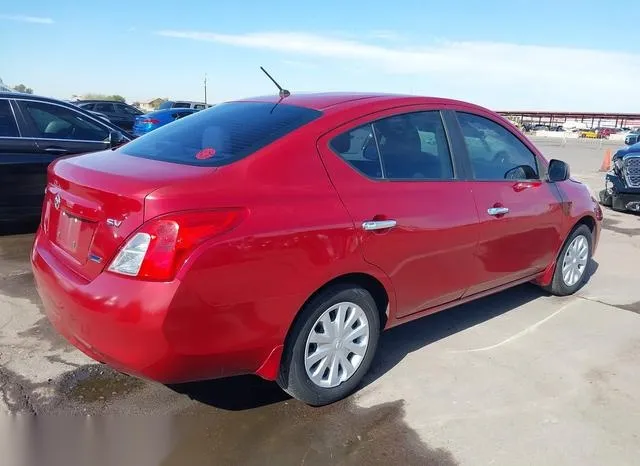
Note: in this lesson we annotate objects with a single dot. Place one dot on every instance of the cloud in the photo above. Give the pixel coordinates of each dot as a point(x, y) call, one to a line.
point(299, 64)
point(27, 19)
point(385, 34)
point(545, 75)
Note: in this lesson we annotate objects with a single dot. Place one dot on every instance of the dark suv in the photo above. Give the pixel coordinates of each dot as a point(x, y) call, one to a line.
point(622, 184)
point(34, 131)
point(119, 113)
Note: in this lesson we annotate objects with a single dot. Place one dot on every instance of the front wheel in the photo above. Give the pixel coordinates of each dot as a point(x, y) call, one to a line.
point(573, 262)
point(331, 346)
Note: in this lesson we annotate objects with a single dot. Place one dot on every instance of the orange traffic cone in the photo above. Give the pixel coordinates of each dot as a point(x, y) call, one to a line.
point(606, 161)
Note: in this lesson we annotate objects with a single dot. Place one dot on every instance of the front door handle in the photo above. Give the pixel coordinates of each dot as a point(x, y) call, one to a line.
point(498, 211)
point(373, 225)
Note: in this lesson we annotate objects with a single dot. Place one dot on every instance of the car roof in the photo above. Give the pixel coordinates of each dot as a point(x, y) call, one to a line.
point(84, 101)
point(334, 100)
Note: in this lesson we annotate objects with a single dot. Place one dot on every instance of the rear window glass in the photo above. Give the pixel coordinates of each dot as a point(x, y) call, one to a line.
point(222, 134)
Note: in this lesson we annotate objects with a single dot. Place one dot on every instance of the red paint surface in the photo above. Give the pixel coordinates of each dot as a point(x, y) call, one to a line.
point(230, 305)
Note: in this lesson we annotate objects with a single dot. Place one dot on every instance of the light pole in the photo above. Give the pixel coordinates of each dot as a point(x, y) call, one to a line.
point(205, 89)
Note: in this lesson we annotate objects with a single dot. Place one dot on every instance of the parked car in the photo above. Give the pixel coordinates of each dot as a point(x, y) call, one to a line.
point(622, 183)
point(154, 120)
point(632, 138)
point(589, 134)
point(101, 116)
point(34, 131)
point(603, 133)
point(119, 113)
point(280, 238)
point(183, 104)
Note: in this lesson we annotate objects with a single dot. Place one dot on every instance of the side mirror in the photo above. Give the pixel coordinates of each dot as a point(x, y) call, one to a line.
point(558, 171)
point(116, 138)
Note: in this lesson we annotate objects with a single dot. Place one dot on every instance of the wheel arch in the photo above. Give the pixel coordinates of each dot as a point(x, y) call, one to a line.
point(590, 222)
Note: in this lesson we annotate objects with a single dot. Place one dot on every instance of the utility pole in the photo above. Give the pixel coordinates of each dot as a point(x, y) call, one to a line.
point(205, 89)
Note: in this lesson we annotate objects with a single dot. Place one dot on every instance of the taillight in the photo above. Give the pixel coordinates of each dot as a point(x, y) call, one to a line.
point(158, 249)
point(151, 121)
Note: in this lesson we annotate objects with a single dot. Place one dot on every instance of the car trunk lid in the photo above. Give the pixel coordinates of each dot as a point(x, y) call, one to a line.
point(94, 202)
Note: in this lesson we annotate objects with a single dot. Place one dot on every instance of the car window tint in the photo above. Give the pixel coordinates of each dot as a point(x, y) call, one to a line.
point(8, 125)
point(87, 106)
point(108, 108)
point(357, 147)
point(127, 110)
point(182, 105)
point(57, 122)
point(414, 146)
point(198, 106)
point(221, 135)
point(496, 153)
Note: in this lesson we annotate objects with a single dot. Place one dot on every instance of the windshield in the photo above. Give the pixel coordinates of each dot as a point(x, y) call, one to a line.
point(222, 134)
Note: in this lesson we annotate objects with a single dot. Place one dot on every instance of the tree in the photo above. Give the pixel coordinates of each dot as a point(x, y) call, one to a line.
point(93, 96)
point(24, 89)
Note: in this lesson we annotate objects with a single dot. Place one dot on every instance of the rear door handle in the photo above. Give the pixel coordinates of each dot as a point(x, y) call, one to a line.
point(373, 225)
point(498, 211)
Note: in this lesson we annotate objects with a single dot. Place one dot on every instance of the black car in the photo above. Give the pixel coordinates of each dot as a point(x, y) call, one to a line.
point(33, 132)
point(119, 113)
point(622, 184)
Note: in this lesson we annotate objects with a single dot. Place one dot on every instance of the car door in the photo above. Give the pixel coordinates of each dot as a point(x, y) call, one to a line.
point(57, 131)
point(416, 219)
point(116, 117)
point(17, 200)
point(520, 214)
point(128, 115)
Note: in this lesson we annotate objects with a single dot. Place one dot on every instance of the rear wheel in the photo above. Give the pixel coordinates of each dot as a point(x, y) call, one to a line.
point(331, 346)
point(571, 266)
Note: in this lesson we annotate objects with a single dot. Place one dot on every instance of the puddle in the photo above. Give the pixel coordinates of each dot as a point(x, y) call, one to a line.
point(293, 433)
point(97, 383)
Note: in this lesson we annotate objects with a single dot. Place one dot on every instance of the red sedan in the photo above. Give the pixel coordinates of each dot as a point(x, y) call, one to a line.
point(281, 238)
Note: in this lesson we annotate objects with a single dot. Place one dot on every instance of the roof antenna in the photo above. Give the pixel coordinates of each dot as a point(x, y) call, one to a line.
point(283, 92)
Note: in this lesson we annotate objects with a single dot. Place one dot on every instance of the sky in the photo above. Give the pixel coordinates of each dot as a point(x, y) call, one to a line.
point(503, 54)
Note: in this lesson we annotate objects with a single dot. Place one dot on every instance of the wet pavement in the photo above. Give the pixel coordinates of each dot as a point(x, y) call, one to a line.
point(516, 378)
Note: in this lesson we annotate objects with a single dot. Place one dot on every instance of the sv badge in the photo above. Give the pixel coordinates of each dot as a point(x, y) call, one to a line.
point(114, 223)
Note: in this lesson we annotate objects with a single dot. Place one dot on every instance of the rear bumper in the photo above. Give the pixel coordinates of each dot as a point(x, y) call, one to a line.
point(136, 327)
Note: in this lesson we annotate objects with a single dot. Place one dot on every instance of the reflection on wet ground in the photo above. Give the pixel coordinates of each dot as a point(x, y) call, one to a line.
point(292, 433)
point(249, 421)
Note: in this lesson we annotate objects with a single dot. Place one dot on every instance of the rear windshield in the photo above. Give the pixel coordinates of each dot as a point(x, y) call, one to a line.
point(220, 135)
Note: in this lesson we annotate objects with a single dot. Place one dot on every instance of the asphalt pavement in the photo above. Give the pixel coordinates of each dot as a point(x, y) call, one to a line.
point(516, 378)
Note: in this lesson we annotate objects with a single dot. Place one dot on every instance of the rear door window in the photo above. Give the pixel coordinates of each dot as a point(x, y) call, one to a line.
point(53, 121)
point(221, 135)
point(8, 125)
point(410, 146)
point(104, 108)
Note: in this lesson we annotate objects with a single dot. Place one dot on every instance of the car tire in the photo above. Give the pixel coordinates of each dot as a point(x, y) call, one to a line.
point(605, 198)
point(297, 373)
point(560, 286)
